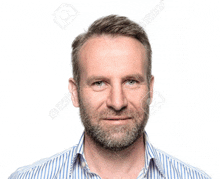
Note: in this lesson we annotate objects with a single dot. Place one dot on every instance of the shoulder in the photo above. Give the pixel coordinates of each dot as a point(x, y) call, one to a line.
point(44, 167)
point(175, 167)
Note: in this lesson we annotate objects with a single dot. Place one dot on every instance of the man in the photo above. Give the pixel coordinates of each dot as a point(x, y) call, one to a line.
point(113, 87)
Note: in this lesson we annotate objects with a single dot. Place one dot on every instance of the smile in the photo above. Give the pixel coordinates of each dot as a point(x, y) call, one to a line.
point(117, 118)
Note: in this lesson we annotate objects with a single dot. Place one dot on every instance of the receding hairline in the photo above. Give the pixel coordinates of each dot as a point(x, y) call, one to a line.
point(114, 26)
point(146, 61)
point(94, 36)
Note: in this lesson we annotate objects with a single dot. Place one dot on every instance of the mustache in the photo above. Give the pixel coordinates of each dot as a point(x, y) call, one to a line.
point(112, 113)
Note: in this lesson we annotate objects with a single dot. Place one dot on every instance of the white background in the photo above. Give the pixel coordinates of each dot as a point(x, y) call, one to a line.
point(35, 67)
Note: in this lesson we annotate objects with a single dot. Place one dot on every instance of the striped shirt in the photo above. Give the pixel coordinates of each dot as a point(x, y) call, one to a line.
point(71, 164)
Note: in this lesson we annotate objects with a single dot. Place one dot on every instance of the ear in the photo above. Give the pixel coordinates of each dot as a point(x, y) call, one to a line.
point(73, 90)
point(151, 88)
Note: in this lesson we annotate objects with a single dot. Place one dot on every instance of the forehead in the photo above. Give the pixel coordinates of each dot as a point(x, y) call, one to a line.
point(112, 55)
point(103, 42)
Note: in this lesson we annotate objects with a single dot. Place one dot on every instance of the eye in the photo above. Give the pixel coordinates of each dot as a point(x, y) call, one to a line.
point(132, 82)
point(98, 86)
point(98, 83)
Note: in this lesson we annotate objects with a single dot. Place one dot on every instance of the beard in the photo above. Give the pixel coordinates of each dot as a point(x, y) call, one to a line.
point(104, 135)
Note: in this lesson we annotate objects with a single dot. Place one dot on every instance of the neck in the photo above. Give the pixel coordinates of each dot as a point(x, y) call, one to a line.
point(105, 162)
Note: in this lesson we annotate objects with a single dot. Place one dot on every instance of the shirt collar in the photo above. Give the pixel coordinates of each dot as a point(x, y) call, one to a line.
point(150, 154)
point(79, 148)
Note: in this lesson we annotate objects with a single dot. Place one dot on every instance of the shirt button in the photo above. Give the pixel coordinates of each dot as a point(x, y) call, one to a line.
point(83, 164)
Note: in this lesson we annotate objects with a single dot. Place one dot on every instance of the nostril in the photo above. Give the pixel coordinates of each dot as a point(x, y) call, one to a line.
point(119, 110)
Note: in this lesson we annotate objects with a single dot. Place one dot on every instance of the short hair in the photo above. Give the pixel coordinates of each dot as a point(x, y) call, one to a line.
point(114, 26)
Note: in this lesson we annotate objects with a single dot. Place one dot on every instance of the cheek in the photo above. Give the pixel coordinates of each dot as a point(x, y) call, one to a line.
point(137, 98)
point(92, 100)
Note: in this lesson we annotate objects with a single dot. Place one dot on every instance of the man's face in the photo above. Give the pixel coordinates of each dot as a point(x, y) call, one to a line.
point(113, 90)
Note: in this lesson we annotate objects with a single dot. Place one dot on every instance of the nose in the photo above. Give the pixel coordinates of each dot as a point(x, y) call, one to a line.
point(117, 99)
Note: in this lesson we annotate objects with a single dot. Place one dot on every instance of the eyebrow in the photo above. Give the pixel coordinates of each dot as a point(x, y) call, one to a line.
point(137, 76)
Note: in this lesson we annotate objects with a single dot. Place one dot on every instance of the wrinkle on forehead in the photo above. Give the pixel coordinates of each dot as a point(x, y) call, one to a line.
point(103, 53)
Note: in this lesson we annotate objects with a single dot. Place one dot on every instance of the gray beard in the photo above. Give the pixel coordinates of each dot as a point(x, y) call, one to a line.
point(104, 138)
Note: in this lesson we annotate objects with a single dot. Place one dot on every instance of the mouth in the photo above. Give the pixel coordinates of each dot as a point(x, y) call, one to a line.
point(117, 118)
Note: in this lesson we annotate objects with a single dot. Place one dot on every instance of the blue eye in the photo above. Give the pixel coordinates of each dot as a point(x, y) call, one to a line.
point(132, 82)
point(98, 83)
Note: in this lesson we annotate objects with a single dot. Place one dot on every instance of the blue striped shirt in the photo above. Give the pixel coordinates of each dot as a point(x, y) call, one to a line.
point(71, 164)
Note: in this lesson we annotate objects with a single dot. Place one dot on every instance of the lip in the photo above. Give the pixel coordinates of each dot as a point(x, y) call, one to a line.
point(117, 118)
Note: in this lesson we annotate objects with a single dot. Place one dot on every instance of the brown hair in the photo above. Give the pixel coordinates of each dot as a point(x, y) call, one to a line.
point(113, 25)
